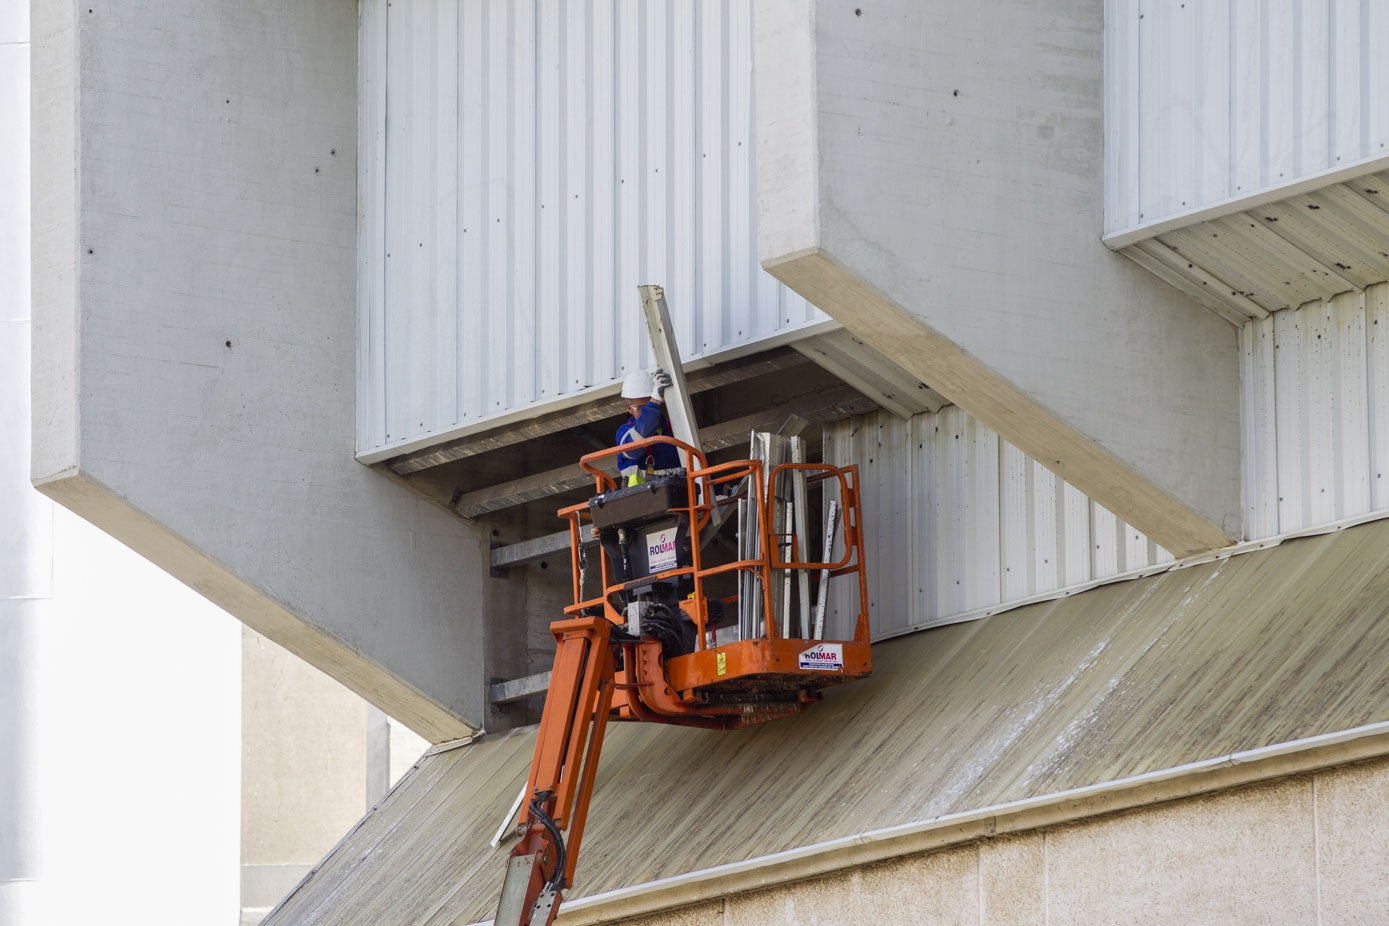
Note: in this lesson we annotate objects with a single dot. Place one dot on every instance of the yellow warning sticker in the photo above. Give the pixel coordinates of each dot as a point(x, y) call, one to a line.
point(723, 663)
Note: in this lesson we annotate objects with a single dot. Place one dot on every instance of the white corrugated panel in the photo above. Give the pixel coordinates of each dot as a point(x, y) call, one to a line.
point(958, 522)
point(1316, 413)
point(1213, 100)
point(525, 166)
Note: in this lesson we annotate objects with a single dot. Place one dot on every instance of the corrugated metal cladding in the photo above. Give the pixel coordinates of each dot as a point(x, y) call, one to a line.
point(1316, 413)
point(960, 521)
point(1210, 100)
point(525, 165)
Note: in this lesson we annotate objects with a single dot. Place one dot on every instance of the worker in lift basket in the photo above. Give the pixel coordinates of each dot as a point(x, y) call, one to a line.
point(643, 394)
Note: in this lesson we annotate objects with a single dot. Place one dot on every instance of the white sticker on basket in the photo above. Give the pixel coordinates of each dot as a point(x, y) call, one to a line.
point(660, 550)
point(828, 657)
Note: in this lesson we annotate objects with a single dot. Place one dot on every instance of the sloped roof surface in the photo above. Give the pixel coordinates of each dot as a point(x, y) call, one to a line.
point(1237, 654)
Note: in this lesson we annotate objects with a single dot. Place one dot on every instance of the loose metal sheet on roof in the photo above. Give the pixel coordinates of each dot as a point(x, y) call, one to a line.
point(1251, 651)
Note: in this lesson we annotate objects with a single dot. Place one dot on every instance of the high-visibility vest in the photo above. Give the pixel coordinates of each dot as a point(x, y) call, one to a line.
point(636, 475)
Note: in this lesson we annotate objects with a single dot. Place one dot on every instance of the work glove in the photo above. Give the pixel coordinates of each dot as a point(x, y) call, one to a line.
point(659, 381)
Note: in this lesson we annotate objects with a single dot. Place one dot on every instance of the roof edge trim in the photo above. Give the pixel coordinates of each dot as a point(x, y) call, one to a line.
point(1121, 238)
point(1234, 770)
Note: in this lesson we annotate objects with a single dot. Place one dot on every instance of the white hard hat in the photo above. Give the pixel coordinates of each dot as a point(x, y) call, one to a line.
point(637, 385)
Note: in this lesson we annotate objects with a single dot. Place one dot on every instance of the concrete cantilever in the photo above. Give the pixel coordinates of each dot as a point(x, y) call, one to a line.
point(195, 328)
point(991, 398)
point(933, 179)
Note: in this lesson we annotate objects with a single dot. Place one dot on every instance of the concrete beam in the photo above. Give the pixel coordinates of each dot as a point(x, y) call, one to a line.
point(517, 688)
point(530, 551)
point(932, 177)
point(195, 328)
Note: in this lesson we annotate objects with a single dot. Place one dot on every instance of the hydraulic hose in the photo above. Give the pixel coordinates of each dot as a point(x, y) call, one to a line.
point(537, 809)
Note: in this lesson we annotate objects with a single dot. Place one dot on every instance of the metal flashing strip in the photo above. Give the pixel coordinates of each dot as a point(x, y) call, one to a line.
point(1229, 771)
point(452, 744)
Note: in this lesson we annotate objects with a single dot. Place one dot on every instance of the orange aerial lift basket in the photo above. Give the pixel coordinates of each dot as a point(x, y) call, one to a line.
point(695, 602)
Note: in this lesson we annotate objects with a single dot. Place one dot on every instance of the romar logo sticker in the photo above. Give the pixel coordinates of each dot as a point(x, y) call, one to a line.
point(660, 550)
point(827, 657)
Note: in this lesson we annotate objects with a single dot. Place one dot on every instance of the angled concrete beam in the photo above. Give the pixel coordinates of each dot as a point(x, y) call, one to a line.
point(933, 179)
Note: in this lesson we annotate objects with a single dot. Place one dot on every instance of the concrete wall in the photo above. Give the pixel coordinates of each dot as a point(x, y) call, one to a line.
point(303, 768)
point(932, 175)
point(1300, 850)
point(195, 339)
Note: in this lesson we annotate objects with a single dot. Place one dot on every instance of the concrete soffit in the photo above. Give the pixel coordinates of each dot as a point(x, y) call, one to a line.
point(1245, 259)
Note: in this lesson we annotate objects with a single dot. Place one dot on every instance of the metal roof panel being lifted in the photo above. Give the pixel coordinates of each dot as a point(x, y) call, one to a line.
point(1151, 684)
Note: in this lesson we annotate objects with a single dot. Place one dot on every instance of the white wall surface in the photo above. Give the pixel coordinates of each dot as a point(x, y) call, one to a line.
point(1316, 413)
point(26, 535)
point(140, 722)
point(195, 339)
point(952, 157)
point(525, 165)
point(958, 522)
point(1213, 100)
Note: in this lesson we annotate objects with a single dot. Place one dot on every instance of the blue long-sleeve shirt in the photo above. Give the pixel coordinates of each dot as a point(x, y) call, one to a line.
point(650, 421)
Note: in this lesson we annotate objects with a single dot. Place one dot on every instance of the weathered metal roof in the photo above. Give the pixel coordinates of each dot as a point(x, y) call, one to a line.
point(1124, 680)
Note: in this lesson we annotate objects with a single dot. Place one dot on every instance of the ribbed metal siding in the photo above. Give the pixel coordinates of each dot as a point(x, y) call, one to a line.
point(525, 166)
point(1210, 100)
point(958, 520)
point(1316, 413)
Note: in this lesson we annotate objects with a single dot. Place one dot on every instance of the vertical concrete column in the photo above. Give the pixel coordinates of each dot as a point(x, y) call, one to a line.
point(25, 517)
